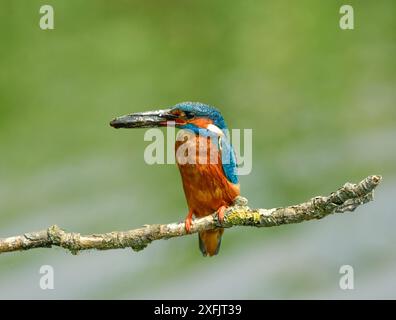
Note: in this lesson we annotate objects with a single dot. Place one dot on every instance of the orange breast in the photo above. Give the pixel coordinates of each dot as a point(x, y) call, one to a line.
point(204, 183)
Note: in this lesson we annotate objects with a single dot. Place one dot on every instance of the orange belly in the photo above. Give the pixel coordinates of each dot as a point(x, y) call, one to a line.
point(205, 185)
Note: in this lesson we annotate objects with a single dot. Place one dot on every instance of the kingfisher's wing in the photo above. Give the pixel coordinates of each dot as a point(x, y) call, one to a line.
point(228, 159)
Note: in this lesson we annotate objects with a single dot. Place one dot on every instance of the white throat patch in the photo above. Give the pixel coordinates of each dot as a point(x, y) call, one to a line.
point(215, 129)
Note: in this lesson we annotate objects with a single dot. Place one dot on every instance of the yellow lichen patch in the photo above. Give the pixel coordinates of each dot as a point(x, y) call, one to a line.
point(242, 217)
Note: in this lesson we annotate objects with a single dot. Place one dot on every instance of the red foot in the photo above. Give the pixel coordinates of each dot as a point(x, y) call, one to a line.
point(220, 213)
point(188, 221)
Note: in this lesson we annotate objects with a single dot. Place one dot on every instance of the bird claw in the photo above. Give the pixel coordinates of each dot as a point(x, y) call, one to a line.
point(188, 221)
point(220, 214)
point(187, 225)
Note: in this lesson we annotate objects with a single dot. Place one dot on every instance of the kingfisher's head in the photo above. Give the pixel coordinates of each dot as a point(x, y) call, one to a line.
point(195, 116)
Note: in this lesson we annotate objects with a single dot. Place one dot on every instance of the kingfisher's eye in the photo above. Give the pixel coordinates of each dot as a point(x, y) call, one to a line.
point(189, 115)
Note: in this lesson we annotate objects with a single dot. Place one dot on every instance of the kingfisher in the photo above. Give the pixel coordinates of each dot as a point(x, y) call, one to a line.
point(205, 158)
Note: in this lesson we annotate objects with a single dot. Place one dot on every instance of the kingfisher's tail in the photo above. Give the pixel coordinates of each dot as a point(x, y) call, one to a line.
point(209, 241)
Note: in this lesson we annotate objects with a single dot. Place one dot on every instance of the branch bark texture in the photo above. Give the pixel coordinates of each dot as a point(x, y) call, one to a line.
point(346, 198)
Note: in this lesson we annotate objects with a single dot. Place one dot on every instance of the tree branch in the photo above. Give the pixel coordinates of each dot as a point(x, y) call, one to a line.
point(347, 198)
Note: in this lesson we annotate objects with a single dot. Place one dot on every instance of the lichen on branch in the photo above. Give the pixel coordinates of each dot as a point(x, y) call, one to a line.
point(346, 198)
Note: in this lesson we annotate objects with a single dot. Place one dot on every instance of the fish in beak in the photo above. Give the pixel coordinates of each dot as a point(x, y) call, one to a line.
point(149, 119)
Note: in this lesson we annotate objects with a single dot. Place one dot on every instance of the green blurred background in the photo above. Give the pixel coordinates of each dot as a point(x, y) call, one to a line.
point(320, 101)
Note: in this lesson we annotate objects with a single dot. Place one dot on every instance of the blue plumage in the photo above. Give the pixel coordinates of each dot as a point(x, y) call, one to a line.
point(228, 161)
point(199, 109)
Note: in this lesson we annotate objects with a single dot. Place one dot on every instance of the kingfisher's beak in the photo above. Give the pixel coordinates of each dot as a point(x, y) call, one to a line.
point(147, 119)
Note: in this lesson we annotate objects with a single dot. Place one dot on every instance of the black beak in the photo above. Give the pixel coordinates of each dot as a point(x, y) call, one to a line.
point(147, 119)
